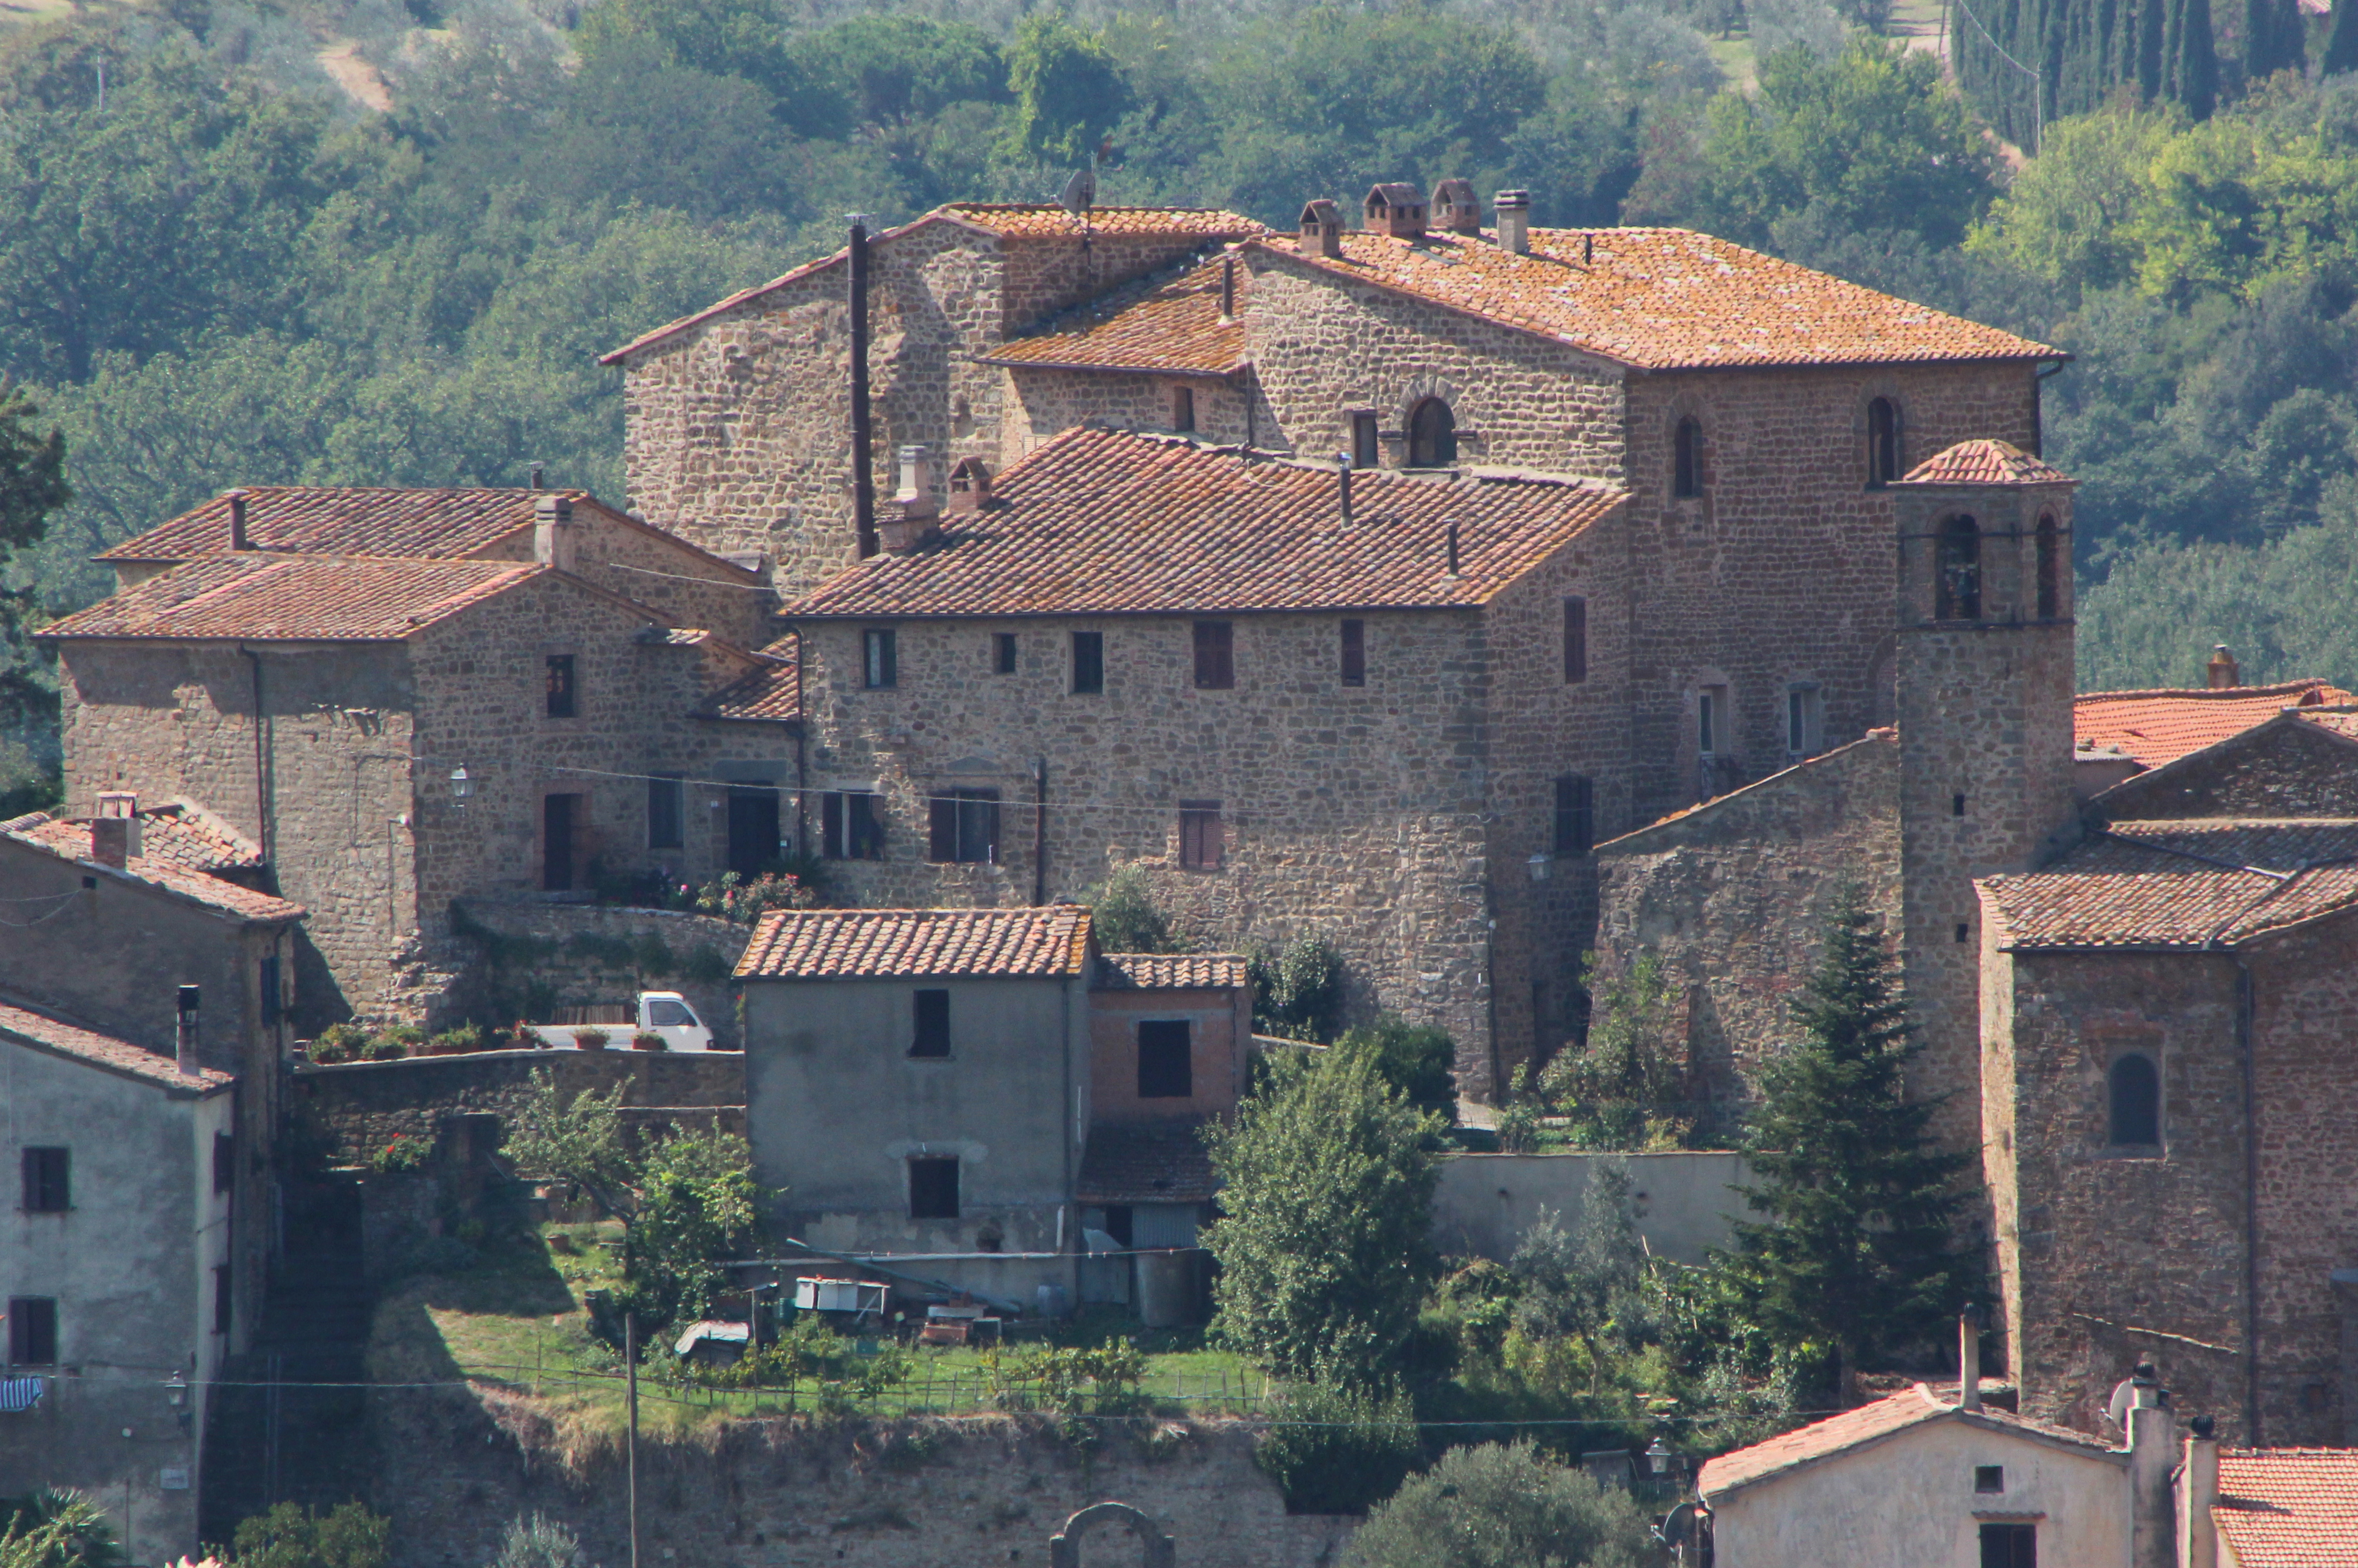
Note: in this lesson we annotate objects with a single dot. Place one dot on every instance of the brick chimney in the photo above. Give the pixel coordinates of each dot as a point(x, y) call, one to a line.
point(911, 516)
point(970, 485)
point(114, 836)
point(1514, 221)
point(2198, 1489)
point(237, 539)
point(2223, 670)
point(1322, 230)
point(1396, 208)
point(553, 538)
point(184, 1033)
point(1456, 208)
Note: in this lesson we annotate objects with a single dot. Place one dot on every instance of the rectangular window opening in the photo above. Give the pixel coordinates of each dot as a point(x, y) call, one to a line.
point(33, 1331)
point(933, 1020)
point(1089, 662)
point(1575, 641)
point(1366, 452)
point(851, 825)
point(1166, 1059)
point(48, 1185)
point(1804, 721)
point(1956, 805)
point(1575, 815)
point(1355, 653)
point(224, 1163)
point(962, 827)
point(932, 1188)
point(1182, 408)
point(1216, 658)
point(666, 814)
point(1201, 838)
point(1989, 1478)
point(1711, 721)
point(1965, 932)
point(2009, 1546)
point(879, 658)
point(560, 686)
point(1003, 653)
point(224, 1295)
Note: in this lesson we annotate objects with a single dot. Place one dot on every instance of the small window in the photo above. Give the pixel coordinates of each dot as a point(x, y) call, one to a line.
point(33, 1331)
point(270, 980)
point(963, 826)
point(224, 1163)
point(1804, 718)
point(932, 1018)
point(1575, 815)
point(663, 1012)
point(2135, 1092)
point(1965, 932)
point(1088, 663)
point(1956, 805)
point(1182, 408)
point(49, 1187)
point(1575, 640)
point(666, 814)
point(1166, 1059)
point(2009, 1546)
point(932, 1188)
point(1216, 655)
point(1686, 459)
point(1355, 653)
point(1432, 435)
point(1366, 453)
point(224, 1296)
point(1201, 841)
point(1882, 443)
point(1957, 578)
point(560, 686)
point(2050, 570)
point(1711, 721)
point(879, 658)
point(851, 825)
point(1989, 1478)
point(1003, 653)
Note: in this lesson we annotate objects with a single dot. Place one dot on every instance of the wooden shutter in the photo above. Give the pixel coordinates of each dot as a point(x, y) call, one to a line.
point(942, 828)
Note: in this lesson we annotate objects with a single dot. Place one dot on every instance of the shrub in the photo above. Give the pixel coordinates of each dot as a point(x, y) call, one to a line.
point(292, 1537)
point(591, 1039)
point(539, 1541)
point(1126, 919)
point(340, 1042)
point(1298, 989)
point(734, 899)
point(1331, 1450)
point(1519, 1118)
point(1417, 1060)
point(646, 1040)
point(459, 1041)
point(407, 1153)
point(1501, 1507)
point(1623, 1088)
point(384, 1048)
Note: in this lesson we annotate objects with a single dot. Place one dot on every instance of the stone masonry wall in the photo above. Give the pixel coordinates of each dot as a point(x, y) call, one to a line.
point(1046, 402)
point(537, 958)
point(1732, 898)
point(681, 584)
point(2289, 768)
point(458, 1465)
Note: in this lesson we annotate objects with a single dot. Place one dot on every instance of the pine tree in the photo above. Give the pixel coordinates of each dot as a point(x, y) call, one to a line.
point(1857, 1252)
point(2341, 38)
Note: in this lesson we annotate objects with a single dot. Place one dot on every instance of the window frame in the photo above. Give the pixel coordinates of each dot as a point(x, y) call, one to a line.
point(1182, 408)
point(955, 817)
point(1203, 836)
point(667, 796)
point(1366, 442)
point(224, 1298)
point(32, 1328)
point(1884, 458)
point(1957, 569)
point(562, 685)
point(1352, 651)
point(1686, 459)
point(1436, 447)
point(1574, 833)
point(2016, 1542)
point(929, 1021)
point(1216, 655)
point(1088, 664)
point(1179, 1069)
point(956, 1190)
point(850, 825)
point(2146, 1117)
point(1805, 718)
point(224, 1164)
point(879, 658)
point(2048, 545)
point(1004, 652)
point(46, 1172)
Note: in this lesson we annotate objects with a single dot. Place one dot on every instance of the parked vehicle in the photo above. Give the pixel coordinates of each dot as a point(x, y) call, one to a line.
point(662, 1013)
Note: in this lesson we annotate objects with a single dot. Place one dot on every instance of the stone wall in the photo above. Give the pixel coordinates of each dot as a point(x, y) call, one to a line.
point(528, 958)
point(681, 583)
point(1042, 403)
point(2286, 767)
point(456, 1466)
point(1685, 1202)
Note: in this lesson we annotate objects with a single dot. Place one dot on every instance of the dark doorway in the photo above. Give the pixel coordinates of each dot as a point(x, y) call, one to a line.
point(556, 825)
point(752, 831)
point(1431, 436)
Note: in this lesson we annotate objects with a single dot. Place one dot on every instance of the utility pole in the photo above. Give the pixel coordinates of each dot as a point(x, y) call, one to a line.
point(631, 1371)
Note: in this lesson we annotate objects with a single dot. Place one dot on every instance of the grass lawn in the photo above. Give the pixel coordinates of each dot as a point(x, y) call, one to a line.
point(516, 1319)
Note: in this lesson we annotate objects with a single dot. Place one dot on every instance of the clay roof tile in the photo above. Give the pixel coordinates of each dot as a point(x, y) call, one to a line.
point(24, 1026)
point(2181, 885)
point(1985, 462)
point(1169, 971)
point(838, 944)
point(257, 597)
point(2161, 726)
point(2288, 1507)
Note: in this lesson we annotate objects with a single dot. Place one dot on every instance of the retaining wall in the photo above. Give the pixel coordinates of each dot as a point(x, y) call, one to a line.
point(535, 958)
point(1486, 1202)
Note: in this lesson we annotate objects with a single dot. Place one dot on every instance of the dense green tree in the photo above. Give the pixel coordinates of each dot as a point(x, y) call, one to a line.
point(1324, 1247)
point(2342, 39)
point(1068, 89)
point(2066, 215)
point(1504, 1507)
point(1417, 1060)
point(1624, 1085)
point(1856, 1251)
point(904, 68)
point(1337, 1450)
point(1125, 917)
point(291, 1536)
point(1298, 989)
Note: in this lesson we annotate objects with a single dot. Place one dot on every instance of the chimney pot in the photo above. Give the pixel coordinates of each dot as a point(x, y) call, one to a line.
point(1395, 208)
point(1320, 229)
point(1343, 485)
point(910, 519)
point(1969, 1359)
point(970, 485)
point(1514, 221)
point(114, 836)
point(537, 472)
point(553, 538)
point(2223, 670)
point(237, 539)
point(184, 1034)
point(1455, 207)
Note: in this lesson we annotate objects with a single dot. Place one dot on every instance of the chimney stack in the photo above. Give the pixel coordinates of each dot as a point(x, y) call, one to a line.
point(2223, 670)
point(911, 516)
point(970, 485)
point(552, 532)
point(1969, 1359)
point(2198, 1532)
point(237, 539)
point(184, 1036)
point(1395, 208)
point(1228, 289)
point(1343, 485)
point(536, 475)
point(1515, 221)
point(114, 837)
point(2152, 1432)
point(1453, 546)
point(1455, 207)
point(1320, 229)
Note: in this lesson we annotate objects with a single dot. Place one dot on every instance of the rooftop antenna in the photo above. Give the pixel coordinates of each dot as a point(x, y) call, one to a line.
point(1080, 192)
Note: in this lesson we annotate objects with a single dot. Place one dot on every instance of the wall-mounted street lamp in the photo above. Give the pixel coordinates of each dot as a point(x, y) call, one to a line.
point(1539, 867)
point(462, 788)
point(1657, 1459)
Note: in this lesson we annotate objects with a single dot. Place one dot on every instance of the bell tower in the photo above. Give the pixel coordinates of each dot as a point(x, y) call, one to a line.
point(1984, 676)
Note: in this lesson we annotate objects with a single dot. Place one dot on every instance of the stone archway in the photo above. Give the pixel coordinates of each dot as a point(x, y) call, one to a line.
point(1065, 1546)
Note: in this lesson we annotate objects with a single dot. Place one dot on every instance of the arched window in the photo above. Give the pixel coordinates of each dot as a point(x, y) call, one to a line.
point(1687, 458)
point(2050, 570)
point(1431, 436)
point(1882, 443)
point(2135, 1094)
point(1957, 578)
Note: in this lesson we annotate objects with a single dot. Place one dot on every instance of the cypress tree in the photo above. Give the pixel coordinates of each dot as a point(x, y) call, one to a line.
point(2259, 40)
point(2341, 38)
point(1856, 1253)
point(2292, 37)
point(2150, 33)
point(2197, 63)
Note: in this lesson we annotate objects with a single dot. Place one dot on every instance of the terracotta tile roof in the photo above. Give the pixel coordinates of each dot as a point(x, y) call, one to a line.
point(771, 693)
point(836, 944)
point(24, 1026)
point(264, 598)
point(2181, 885)
point(1666, 299)
point(2288, 1507)
point(177, 834)
point(1145, 1163)
point(1871, 1423)
point(319, 520)
point(70, 840)
point(1169, 324)
point(1169, 971)
point(1985, 462)
point(2161, 726)
point(1008, 221)
point(1103, 522)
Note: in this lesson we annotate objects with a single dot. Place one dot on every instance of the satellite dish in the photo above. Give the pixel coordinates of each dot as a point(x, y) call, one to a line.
point(1678, 1526)
point(1080, 192)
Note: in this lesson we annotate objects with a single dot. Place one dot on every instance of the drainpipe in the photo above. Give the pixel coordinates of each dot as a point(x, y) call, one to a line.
point(863, 478)
point(1040, 831)
point(261, 768)
point(2245, 1051)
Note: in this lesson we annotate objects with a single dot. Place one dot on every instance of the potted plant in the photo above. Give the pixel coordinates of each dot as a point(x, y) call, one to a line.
point(646, 1040)
point(591, 1039)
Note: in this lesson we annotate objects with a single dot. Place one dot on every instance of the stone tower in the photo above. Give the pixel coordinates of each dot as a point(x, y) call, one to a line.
point(1984, 677)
